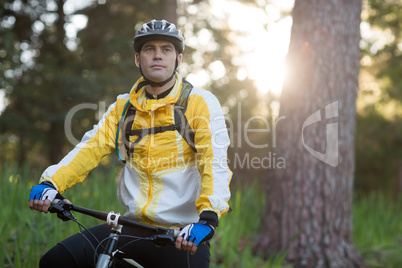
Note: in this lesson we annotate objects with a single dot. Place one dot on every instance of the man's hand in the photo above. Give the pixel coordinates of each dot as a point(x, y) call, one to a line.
point(192, 235)
point(41, 197)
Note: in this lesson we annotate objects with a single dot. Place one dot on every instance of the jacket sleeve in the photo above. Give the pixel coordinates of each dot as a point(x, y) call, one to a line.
point(211, 141)
point(86, 155)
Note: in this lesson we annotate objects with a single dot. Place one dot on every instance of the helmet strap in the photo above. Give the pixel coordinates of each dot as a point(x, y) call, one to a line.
point(152, 83)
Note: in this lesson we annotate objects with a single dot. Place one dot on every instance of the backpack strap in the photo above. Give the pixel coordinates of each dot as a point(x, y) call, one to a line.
point(180, 124)
point(128, 125)
point(120, 126)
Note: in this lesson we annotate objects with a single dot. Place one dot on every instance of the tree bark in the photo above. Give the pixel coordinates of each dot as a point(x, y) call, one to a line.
point(56, 133)
point(170, 11)
point(309, 202)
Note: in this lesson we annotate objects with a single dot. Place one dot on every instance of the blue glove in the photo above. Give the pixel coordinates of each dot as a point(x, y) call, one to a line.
point(197, 233)
point(43, 192)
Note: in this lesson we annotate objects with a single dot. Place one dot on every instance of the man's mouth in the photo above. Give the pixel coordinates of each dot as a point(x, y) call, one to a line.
point(157, 66)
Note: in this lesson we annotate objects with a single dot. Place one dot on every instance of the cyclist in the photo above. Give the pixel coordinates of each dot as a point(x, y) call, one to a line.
point(168, 179)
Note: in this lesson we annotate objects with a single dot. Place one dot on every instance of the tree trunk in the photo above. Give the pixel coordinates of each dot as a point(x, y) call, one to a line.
point(170, 12)
point(56, 133)
point(309, 202)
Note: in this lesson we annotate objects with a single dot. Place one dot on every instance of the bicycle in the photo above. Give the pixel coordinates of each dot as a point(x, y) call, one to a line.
point(111, 254)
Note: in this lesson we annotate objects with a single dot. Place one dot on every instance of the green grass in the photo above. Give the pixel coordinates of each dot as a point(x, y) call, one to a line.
point(26, 235)
point(378, 230)
point(231, 246)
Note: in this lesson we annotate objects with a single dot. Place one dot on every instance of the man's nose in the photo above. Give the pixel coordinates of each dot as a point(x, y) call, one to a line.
point(157, 54)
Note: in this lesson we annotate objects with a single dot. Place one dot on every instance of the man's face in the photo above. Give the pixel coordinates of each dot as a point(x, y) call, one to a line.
point(157, 59)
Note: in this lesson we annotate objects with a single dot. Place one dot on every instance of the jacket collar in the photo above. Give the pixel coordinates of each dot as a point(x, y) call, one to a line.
point(140, 102)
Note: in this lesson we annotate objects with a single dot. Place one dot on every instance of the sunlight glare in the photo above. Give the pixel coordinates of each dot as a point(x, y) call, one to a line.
point(266, 64)
point(264, 50)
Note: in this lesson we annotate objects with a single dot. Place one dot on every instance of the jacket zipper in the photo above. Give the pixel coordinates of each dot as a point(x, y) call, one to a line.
point(148, 171)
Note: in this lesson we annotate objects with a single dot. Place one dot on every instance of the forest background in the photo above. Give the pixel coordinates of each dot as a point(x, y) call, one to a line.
point(58, 55)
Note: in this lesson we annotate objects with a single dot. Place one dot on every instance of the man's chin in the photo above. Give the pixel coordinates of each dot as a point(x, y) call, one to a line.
point(157, 79)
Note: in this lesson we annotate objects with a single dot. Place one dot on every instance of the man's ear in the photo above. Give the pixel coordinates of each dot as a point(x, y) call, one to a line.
point(179, 59)
point(137, 59)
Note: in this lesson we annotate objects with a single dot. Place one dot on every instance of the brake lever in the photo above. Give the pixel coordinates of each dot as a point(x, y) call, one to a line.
point(62, 209)
point(163, 239)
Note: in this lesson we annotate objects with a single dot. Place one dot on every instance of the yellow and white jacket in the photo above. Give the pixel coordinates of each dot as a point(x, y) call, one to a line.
point(165, 183)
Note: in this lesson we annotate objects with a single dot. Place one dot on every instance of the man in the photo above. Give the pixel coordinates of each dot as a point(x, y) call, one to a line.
point(175, 173)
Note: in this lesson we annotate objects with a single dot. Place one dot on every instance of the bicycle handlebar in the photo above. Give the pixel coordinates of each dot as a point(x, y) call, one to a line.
point(63, 209)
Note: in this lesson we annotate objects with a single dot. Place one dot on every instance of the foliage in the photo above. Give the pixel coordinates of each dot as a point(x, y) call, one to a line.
point(378, 161)
point(43, 82)
point(387, 16)
point(379, 128)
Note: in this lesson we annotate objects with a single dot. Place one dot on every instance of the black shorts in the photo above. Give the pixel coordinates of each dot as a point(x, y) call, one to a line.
point(79, 251)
